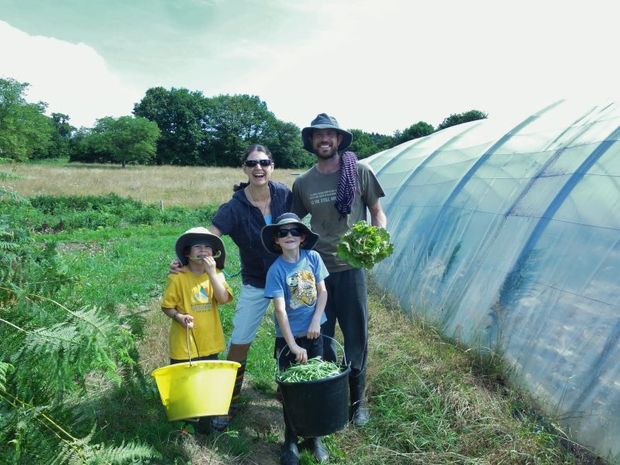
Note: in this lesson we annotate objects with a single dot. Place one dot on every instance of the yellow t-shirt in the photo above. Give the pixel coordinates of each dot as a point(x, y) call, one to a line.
point(192, 294)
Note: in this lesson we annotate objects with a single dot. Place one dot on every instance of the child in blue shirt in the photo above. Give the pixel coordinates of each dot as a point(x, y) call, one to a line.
point(295, 282)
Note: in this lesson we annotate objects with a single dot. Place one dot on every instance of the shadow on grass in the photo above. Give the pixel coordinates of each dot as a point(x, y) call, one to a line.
point(104, 166)
point(133, 413)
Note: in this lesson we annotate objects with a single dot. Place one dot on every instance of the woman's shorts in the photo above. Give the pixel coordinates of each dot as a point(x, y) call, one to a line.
point(251, 308)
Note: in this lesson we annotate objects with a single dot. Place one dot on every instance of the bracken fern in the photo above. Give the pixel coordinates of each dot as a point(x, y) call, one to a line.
point(54, 348)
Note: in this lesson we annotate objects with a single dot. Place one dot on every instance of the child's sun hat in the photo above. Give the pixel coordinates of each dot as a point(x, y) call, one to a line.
point(268, 233)
point(200, 235)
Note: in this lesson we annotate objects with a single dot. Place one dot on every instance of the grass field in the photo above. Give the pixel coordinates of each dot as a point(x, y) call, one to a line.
point(187, 186)
point(432, 401)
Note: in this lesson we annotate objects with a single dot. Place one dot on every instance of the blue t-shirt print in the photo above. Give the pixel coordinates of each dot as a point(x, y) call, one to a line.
point(302, 288)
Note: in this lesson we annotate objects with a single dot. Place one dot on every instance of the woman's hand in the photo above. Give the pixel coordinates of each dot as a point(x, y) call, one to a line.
point(175, 266)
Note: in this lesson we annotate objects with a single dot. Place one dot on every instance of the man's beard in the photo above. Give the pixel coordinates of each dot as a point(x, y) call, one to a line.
point(327, 156)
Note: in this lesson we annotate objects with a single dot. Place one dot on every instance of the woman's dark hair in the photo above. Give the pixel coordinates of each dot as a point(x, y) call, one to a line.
point(256, 148)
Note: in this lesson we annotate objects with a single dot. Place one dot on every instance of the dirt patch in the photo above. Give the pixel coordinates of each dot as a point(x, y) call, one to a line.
point(68, 247)
point(261, 419)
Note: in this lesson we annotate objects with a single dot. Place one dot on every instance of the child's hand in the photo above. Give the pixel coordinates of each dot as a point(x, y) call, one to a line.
point(301, 355)
point(314, 330)
point(209, 264)
point(175, 266)
point(186, 321)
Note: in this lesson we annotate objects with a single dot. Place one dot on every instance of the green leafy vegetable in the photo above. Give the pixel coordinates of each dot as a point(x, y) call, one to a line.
point(364, 245)
point(314, 370)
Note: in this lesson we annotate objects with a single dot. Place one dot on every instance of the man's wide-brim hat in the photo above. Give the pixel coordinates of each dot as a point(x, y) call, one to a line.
point(324, 121)
point(268, 233)
point(199, 235)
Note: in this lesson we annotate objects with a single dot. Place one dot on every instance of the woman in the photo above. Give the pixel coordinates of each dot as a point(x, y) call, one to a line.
point(252, 206)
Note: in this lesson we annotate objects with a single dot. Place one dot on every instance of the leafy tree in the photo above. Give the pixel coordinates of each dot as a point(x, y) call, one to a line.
point(86, 147)
point(130, 139)
point(123, 140)
point(24, 129)
point(215, 131)
point(233, 121)
point(419, 129)
point(284, 141)
point(61, 121)
point(460, 118)
point(179, 114)
point(236, 121)
point(365, 144)
point(60, 139)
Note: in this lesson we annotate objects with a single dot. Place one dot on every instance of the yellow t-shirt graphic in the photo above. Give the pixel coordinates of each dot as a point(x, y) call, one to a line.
point(200, 299)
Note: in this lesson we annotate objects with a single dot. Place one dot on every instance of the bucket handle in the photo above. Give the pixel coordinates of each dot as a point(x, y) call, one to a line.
point(344, 355)
point(189, 352)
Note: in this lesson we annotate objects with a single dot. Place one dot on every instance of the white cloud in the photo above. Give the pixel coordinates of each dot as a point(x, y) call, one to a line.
point(72, 78)
point(376, 68)
point(385, 68)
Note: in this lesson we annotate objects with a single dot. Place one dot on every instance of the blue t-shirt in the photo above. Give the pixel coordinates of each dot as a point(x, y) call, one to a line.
point(296, 282)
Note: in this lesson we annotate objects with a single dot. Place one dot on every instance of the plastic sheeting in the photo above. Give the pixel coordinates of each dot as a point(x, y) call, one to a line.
point(507, 236)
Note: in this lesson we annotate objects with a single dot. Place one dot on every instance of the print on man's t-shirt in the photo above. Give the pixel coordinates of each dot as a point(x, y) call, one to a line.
point(328, 196)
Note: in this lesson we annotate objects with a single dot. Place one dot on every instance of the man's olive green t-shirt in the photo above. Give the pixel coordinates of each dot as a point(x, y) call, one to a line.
point(315, 194)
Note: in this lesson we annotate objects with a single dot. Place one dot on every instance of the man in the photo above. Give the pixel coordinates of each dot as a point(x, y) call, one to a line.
point(336, 192)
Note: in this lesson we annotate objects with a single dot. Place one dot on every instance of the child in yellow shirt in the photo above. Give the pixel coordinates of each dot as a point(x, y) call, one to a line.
point(191, 299)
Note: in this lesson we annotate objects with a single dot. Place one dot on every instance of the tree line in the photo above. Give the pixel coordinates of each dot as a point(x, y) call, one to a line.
point(174, 127)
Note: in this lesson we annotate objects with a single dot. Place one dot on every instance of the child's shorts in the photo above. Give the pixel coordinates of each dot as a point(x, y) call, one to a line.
point(207, 357)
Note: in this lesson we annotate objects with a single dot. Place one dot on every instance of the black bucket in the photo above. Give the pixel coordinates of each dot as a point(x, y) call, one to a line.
point(317, 408)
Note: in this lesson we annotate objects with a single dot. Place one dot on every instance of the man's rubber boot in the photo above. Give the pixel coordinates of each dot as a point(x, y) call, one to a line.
point(359, 414)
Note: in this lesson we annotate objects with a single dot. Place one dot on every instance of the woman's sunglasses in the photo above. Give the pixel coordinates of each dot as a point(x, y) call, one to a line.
point(252, 163)
point(295, 232)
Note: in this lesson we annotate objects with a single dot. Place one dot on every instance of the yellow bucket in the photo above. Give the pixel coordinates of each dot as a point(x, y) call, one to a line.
point(196, 389)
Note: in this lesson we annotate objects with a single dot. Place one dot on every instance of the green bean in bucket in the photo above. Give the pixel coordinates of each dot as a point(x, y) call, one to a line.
point(314, 370)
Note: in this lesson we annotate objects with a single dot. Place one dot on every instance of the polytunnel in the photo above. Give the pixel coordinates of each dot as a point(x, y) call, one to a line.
point(507, 237)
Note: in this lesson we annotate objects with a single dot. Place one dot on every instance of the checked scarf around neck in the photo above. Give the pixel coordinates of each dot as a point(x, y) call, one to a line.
point(346, 183)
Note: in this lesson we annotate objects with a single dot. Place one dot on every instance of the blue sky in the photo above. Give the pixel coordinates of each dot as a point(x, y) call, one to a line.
point(376, 65)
